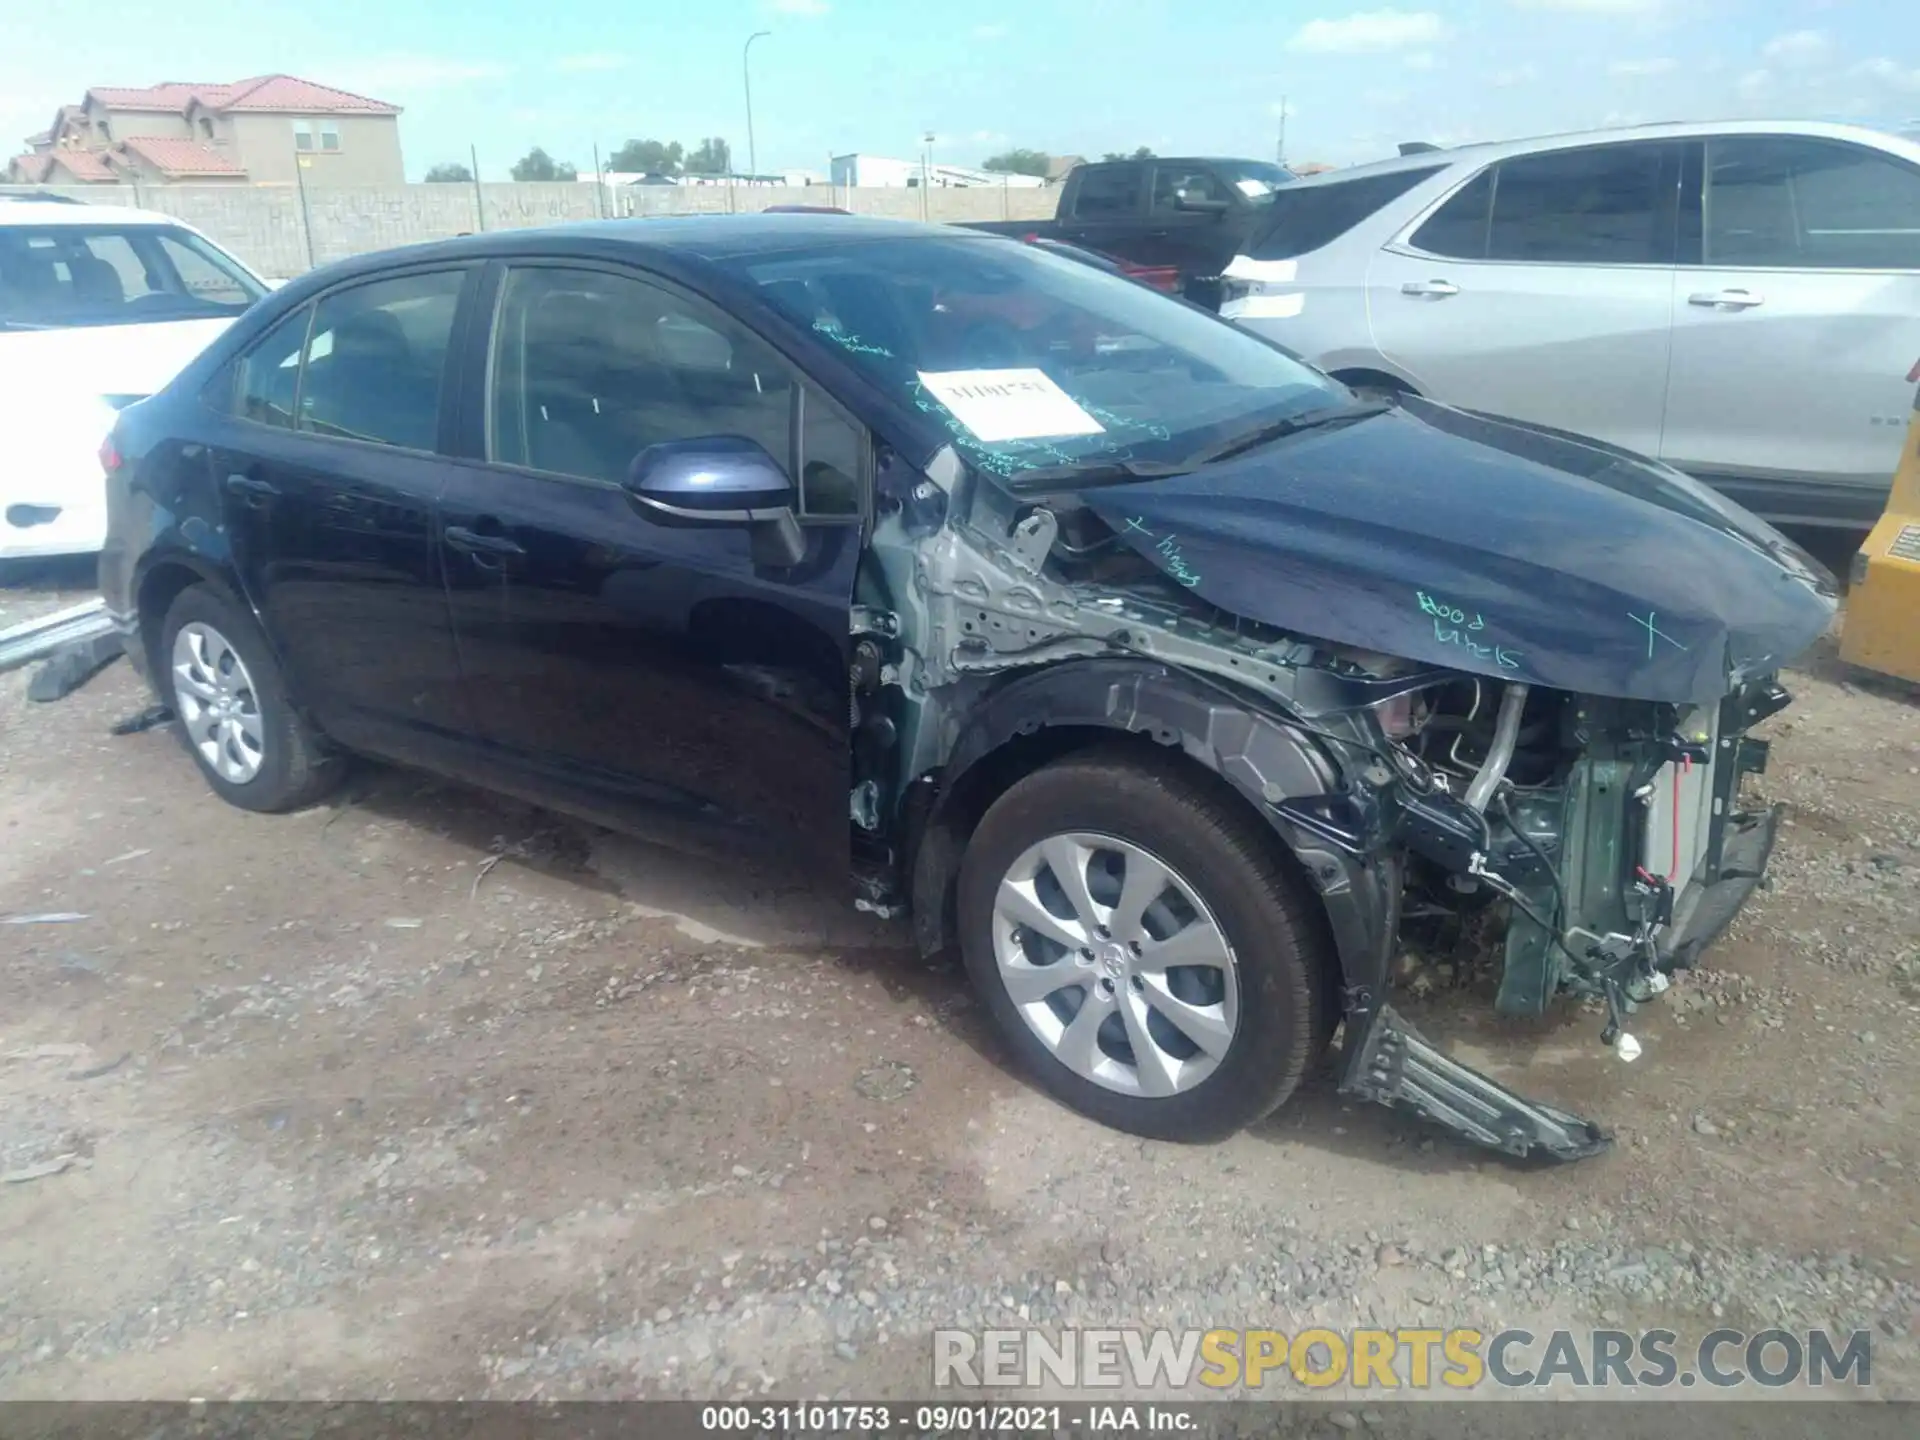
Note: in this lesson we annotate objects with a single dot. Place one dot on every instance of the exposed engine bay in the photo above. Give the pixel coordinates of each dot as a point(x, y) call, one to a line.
point(1603, 831)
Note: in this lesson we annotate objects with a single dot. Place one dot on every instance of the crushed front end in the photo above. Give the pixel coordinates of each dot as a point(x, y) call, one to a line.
point(1601, 837)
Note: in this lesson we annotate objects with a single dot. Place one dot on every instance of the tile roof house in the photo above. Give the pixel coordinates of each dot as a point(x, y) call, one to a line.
point(272, 129)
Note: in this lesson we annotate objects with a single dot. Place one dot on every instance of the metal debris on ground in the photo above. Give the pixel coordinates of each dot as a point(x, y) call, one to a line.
point(154, 715)
point(130, 855)
point(29, 640)
point(56, 917)
point(72, 665)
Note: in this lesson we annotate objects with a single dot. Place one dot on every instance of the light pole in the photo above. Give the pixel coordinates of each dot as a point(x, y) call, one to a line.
point(746, 81)
point(926, 175)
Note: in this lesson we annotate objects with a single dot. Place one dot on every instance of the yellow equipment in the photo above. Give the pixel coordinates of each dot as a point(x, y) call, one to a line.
point(1883, 601)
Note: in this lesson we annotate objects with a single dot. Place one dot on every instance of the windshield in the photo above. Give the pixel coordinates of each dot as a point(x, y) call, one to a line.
point(1255, 179)
point(1034, 362)
point(58, 276)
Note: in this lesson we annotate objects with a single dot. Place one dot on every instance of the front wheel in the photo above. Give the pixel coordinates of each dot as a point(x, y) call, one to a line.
point(1141, 948)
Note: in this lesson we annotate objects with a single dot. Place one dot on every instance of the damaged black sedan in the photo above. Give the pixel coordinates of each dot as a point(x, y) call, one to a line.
point(1143, 663)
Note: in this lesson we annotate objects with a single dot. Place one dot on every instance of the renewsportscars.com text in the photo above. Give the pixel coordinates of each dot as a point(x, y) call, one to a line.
point(1412, 1359)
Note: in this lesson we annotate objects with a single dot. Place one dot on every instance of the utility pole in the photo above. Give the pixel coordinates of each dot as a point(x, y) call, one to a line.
point(1280, 149)
point(479, 195)
point(926, 175)
point(746, 81)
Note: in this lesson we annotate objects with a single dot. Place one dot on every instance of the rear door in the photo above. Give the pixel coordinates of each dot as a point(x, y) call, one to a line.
point(1109, 208)
point(638, 668)
point(1795, 319)
point(1541, 290)
point(330, 472)
point(1196, 241)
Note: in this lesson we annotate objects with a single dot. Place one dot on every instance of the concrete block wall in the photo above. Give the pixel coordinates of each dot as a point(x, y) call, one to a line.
point(270, 227)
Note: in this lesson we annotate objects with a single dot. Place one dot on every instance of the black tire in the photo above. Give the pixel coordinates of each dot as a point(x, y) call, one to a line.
point(295, 770)
point(1280, 947)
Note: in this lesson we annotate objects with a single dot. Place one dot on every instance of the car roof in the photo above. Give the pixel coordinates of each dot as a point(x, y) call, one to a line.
point(1485, 151)
point(688, 237)
point(61, 212)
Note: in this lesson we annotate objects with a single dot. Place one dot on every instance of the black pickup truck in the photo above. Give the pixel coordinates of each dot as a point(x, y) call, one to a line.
point(1188, 215)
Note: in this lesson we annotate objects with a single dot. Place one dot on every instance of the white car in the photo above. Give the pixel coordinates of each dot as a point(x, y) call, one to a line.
point(99, 307)
point(1740, 299)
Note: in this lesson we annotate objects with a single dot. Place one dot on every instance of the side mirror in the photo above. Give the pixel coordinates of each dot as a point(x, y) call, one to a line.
point(721, 480)
point(1200, 205)
point(711, 480)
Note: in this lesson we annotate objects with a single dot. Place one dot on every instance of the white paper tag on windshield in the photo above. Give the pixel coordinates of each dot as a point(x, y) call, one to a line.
point(1009, 404)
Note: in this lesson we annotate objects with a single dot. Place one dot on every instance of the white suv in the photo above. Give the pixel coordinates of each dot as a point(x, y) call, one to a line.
point(99, 307)
point(1740, 299)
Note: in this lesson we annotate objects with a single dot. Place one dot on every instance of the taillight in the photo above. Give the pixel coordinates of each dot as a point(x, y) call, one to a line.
point(110, 460)
point(1159, 277)
point(1913, 375)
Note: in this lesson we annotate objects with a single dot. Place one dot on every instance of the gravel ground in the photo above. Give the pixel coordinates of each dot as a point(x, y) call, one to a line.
point(425, 1094)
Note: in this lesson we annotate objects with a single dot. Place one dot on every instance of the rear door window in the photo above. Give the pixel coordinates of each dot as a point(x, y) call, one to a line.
point(267, 378)
point(376, 359)
point(1304, 217)
point(1792, 203)
point(1597, 206)
point(1108, 192)
point(1459, 227)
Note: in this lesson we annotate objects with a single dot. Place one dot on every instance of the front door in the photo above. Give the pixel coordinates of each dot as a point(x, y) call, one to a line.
point(330, 473)
point(1540, 291)
point(637, 666)
point(1795, 322)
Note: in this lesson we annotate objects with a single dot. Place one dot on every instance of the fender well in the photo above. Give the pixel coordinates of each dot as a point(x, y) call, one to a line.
point(1043, 715)
point(162, 577)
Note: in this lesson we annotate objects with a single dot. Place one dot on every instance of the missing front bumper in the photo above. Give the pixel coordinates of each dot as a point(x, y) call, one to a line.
point(1395, 1066)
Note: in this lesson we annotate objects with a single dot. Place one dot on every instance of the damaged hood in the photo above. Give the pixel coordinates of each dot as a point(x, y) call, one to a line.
point(1488, 546)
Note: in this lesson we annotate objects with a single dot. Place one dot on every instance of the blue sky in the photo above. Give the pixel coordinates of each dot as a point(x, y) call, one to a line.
point(1068, 76)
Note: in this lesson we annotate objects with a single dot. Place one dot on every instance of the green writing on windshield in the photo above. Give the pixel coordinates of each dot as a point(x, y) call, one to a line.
point(1455, 625)
point(1167, 547)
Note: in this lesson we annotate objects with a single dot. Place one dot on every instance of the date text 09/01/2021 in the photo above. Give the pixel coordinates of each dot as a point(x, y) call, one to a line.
point(925, 1419)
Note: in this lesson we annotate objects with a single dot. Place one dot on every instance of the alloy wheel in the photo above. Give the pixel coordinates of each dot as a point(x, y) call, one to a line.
point(1116, 964)
point(217, 703)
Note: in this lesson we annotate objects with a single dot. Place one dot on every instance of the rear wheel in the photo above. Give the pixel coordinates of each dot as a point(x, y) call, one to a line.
point(1140, 947)
point(231, 709)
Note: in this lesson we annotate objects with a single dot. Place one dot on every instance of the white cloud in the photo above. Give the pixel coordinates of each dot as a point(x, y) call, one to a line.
point(1383, 98)
point(1594, 7)
point(1890, 73)
point(1639, 69)
point(811, 9)
point(1754, 84)
point(1368, 30)
point(989, 32)
point(597, 60)
point(1798, 50)
point(989, 137)
point(1421, 60)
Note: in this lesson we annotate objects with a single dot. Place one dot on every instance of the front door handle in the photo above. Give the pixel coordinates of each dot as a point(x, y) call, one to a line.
point(249, 485)
point(1437, 288)
point(475, 543)
point(1727, 299)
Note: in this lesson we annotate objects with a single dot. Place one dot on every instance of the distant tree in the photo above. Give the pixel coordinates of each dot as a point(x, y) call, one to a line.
point(536, 164)
point(1143, 153)
point(1019, 162)
point(648, 157)
point(712, 157)
point(450, 174)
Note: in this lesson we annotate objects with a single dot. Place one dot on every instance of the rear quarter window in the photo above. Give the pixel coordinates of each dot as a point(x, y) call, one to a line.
point(1303, 218)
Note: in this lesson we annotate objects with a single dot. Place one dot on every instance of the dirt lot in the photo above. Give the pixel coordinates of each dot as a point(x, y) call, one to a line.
point(425, 1094)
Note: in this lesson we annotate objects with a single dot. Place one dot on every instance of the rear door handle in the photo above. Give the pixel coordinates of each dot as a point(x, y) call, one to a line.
point(475, 543)
point(1439, 288)
point(1727, 299)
